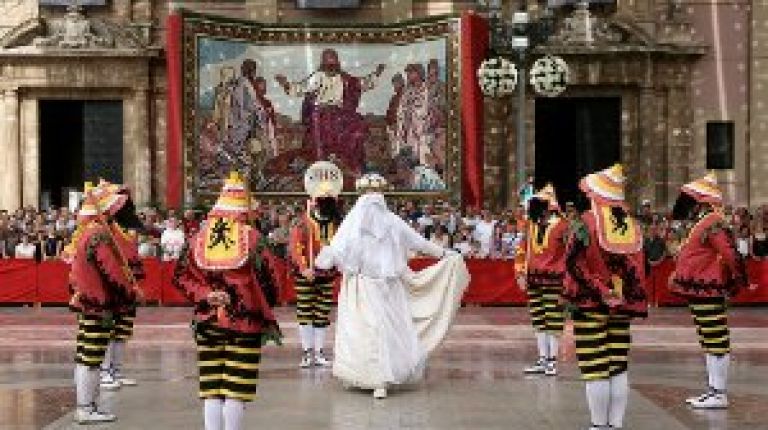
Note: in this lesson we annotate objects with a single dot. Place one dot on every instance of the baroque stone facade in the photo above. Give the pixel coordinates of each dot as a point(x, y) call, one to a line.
point(675, 65)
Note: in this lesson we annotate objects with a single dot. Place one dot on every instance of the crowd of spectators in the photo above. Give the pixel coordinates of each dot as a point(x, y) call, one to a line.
point(28, 233)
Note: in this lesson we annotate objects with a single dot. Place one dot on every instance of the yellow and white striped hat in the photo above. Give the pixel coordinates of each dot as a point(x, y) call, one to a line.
point(234, 200)
point(109, 197)
point(88, 208)
point(606, 186)
point(547, 194)
point(704, 190)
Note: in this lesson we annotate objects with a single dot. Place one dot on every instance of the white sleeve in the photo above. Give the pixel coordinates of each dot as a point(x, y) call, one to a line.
point(326, 259)
point(417, 242)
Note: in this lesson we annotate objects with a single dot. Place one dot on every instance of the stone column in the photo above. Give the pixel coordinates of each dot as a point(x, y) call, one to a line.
point(30, 152)
point(136, 161)
point(10, 176)
point(758, 107)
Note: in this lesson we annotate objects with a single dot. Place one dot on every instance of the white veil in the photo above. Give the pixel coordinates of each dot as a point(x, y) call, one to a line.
point(368, 241)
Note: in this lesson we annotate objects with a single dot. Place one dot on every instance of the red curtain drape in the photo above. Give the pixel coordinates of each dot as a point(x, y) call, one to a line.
point(174, 173)
point(493, 283)
point(474, 46)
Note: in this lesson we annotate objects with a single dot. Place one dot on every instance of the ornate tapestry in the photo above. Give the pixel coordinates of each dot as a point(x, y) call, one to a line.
point(270, 100)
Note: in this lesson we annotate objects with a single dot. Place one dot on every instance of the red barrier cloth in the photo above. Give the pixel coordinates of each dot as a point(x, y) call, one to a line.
point(758, 274)
point(493, 282)
point(474, 47)
point(174, 167)
point(53, 282)
point(170, 295)
point(151, 285)
point(18, 281)
point(661, 274)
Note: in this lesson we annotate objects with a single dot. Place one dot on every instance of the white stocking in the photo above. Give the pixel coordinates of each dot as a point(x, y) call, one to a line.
point(118, 353)
point(710, 370)
point(234, 410)
point(93, 378)
point(598, 398)
point(554, 345)
point(82, 388)
point(108, 362)
point(542, 344)
point(619, 398)
point(720, 365)
point(305, 334)
point(319, 333)
point(212, 414)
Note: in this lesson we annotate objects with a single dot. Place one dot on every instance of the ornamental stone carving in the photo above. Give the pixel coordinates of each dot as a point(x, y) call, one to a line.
point(72, 31)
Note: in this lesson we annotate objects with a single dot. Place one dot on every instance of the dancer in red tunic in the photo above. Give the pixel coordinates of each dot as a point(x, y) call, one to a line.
point(541, 273)
point(223, 272)
point(605, 281)
point(103, 279)
point(708, 270)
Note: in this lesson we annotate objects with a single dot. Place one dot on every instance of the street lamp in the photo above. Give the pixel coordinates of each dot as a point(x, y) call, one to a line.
point(513, 39)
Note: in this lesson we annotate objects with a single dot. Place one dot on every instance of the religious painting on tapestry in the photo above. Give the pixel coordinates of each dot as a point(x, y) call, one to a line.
point(270, 110)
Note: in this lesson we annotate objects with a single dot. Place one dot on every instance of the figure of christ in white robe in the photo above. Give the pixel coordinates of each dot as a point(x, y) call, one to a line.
point(389, 318)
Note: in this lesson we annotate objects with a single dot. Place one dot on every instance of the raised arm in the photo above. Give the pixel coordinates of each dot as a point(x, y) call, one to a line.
point(300, 88)
point(414, 241)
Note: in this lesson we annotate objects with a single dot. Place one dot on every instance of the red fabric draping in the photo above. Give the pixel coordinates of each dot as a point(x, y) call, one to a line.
point(18, 281)
point(474, 46)
point(53, 282)
point(174, 174)
point(151, 285)
point(758, 274)
point(659, 279)
point(169, 293)
point(493, 282)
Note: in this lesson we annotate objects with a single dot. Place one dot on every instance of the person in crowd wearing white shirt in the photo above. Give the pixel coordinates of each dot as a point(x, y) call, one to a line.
point(172, 240)
point(484, 233)
point(25, 249)
point(471, 217)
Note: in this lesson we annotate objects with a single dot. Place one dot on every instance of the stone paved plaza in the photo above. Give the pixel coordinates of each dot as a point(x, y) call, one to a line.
point(474, 380)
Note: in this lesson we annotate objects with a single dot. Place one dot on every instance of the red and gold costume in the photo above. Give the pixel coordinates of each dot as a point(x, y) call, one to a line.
point(223, 272)
point(708, 264)
point(315, 229)
point(708, 270)
point(103, 280)
point(543, 269)
point(605, 281)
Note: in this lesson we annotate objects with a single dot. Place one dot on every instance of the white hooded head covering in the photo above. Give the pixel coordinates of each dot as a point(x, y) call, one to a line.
point(371, 241)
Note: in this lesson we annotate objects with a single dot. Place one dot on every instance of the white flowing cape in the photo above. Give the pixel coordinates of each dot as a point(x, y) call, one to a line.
point(389, 318)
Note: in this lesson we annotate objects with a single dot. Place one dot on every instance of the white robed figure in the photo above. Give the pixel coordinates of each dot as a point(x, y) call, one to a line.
point(389, 318)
